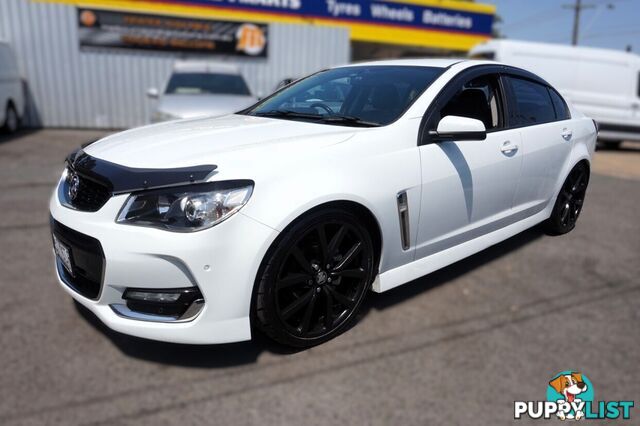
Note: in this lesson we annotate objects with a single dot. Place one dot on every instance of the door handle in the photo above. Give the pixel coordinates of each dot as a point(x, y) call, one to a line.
point(566, 133)
point(509, 148)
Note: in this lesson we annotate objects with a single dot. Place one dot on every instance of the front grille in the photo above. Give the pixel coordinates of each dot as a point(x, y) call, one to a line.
point(87, 258)
point(90, 196)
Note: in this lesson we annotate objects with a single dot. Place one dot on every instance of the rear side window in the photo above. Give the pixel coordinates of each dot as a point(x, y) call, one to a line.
point(533, 103)
point(562, 112)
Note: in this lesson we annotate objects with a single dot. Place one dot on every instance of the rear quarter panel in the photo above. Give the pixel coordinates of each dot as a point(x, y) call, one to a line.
point(583, 147)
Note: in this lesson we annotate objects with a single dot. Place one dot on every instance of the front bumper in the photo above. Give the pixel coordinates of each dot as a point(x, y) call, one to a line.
point(221, 261)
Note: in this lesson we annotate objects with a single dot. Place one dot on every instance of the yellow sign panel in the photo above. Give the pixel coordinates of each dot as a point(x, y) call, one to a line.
point(444, 24)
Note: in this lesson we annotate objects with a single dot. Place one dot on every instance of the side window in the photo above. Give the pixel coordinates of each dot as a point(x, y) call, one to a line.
point(533, 103)
point(479, 99)
point(562, 112)
point(639, 84)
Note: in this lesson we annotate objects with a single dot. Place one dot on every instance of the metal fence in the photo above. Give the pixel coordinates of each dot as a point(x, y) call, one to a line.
point(70, 87)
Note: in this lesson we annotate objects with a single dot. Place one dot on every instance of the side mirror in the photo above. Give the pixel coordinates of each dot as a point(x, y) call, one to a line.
point(455, 128)
point(153, 93)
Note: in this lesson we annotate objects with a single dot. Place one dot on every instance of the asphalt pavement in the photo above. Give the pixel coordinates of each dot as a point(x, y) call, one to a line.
point(455, 347)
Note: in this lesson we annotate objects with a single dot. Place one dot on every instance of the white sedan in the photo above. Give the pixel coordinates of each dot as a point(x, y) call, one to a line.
point(282, 217)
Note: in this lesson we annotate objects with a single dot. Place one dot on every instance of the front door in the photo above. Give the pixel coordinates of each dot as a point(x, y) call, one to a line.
point(468, 187)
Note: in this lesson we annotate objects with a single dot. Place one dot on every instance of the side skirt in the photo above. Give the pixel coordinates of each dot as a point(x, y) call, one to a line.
point(426, 265)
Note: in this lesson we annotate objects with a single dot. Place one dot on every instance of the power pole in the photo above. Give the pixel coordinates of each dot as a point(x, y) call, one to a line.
point(577, 9)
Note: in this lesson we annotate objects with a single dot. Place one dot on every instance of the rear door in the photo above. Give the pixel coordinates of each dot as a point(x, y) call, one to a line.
point(547, 133)
point(468, 186)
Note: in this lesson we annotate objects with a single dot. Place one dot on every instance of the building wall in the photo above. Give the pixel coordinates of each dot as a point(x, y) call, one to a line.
point(106, 88)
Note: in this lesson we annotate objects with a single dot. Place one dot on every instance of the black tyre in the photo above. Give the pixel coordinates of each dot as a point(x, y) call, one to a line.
point(11, 120)
point(569, 202)
point(314, 279)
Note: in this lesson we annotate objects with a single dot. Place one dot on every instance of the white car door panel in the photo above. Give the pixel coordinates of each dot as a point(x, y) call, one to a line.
point(546, 142)
point(468, 189)
point(544, 152)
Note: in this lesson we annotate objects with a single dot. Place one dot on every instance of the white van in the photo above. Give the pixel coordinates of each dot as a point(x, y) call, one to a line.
point(602, 83)
point(11, 91)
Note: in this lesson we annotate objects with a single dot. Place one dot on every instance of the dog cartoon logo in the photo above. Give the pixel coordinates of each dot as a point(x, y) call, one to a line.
point(571, 386)
point(570, 397)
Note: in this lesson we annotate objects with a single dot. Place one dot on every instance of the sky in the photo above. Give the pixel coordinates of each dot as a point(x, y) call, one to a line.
point(548, 21)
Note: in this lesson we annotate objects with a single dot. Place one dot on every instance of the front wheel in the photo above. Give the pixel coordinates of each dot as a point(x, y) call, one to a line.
point(569, 202)
point(315, 279)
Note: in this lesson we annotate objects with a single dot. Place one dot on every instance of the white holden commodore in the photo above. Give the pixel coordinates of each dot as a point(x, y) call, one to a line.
point(283, 216)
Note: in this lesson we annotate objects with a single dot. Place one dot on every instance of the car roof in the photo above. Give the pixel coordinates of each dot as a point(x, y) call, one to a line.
point(206, 67)
point(459, 63)
point(420, 62)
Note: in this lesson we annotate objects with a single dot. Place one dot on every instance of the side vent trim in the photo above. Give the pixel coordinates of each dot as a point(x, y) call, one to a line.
point(403, 216)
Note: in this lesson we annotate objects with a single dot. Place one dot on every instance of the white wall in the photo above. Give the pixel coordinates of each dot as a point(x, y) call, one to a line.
point(106, 88)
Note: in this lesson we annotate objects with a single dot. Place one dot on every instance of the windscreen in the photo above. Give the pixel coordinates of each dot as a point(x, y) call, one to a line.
point(377, 95)
point(207, 84)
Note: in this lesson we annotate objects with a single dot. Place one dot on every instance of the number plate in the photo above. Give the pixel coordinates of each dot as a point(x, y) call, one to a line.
point(64, 254)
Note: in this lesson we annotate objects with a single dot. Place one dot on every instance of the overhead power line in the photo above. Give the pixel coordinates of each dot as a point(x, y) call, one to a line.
point(578, 7)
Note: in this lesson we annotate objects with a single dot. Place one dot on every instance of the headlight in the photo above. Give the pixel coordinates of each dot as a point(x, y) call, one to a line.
point(186, 208)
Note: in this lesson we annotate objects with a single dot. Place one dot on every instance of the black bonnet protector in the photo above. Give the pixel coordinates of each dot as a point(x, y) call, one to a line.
point(121, 179)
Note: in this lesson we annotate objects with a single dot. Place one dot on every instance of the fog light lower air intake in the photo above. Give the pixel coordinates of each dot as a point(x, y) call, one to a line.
point(162, 305)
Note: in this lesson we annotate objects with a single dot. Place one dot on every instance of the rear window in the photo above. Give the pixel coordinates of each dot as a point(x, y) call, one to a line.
point(533, 103)
point(562, 112)
point(207, 84)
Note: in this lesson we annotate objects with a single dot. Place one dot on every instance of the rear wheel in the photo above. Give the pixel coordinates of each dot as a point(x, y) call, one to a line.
point(315, 279)
point(11, 119)
point(569, 202)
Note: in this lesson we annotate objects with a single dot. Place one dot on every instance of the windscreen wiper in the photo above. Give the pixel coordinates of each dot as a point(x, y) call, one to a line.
point(288, 113)
point(329, 119)
point(348, 120)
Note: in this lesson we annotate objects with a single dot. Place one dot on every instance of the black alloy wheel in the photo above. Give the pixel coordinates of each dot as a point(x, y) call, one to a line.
point(570, 201)
point(315, 280)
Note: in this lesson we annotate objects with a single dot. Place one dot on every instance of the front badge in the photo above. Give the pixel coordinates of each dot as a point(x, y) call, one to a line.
point(74, 186)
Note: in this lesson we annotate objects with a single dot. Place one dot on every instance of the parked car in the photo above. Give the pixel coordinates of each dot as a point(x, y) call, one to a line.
point(12, 99)
point(603, 83)
point(284, 216)
point(199, 89)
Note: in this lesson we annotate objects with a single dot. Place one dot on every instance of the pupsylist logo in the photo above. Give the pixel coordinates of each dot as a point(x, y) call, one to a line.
point(570, 396)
